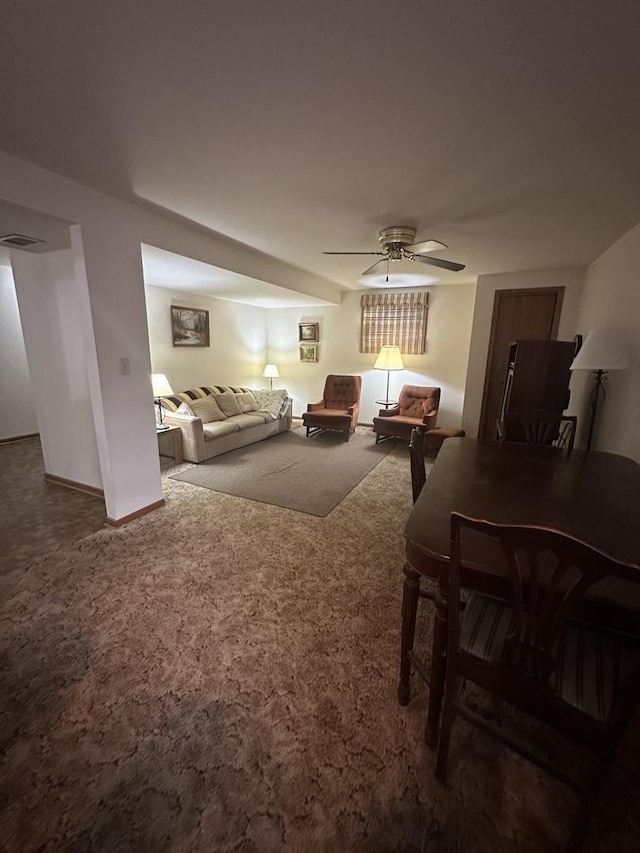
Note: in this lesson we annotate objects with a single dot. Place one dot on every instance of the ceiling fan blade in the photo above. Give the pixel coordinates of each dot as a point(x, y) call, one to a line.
point(438, 262)
point(354, 253)
point(426, 246)
point(373, 266)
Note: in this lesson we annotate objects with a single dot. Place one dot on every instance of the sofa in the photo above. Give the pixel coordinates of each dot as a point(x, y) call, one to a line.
point(215, 419)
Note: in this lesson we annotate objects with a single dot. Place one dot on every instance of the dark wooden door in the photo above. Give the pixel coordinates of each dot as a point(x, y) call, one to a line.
point(517, 314)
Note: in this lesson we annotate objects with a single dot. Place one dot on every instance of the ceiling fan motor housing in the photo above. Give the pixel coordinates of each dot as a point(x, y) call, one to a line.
point(394, 238)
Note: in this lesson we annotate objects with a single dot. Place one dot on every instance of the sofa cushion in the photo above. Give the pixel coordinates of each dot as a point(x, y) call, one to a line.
point(247, 402)
point(219, 428)
point(228, 404)
point(265, 417)
point(173, 402)
point(226, 389)
point(185, 409)
point(207, 409)
point(249, 420)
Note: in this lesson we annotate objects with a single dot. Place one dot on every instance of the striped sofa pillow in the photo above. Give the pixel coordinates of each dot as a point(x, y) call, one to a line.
point(174, 401)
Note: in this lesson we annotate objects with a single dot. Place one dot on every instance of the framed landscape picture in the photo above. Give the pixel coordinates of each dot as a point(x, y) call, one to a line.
point(308, 332)
point(309, 353)
point(189, 327)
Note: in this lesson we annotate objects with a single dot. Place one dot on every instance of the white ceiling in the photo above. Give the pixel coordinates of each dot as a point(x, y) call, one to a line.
point(508, 130)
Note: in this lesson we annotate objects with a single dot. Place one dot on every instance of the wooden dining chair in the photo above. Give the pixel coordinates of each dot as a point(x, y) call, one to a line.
point(416, 456)
point(539, 427)
point(529, 652)
point(417, 452)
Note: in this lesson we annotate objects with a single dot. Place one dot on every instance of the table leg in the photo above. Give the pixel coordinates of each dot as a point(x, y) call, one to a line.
point(438, 665)
point(409, 610)
point(177, 446)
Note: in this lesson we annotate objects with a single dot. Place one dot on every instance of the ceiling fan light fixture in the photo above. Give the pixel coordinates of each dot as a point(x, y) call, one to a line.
point(399, 279)
point(398, 243)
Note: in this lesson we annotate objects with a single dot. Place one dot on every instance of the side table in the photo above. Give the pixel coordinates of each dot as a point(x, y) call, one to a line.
point(176, 437)
point(387, 403)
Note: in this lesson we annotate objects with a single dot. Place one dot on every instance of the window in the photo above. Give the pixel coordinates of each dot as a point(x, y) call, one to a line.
point(394, 318)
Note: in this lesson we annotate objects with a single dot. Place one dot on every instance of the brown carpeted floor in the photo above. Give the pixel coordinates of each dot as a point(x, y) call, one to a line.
point(221, 675)
point(37, 517)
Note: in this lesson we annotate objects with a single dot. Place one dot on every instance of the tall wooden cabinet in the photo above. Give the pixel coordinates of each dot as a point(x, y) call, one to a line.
point(538, 376)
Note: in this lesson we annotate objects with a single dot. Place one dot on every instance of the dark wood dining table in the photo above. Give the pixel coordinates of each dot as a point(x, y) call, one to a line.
point(593, 496)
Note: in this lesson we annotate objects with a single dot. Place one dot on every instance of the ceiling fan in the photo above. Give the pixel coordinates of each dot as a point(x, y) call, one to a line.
point(398, 243)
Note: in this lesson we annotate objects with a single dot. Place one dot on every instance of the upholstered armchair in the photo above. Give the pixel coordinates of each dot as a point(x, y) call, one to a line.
point(338, 408)
point(417, 407)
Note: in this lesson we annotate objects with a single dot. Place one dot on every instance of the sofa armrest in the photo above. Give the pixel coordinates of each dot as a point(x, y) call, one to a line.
point(313, 407)
point(389, 413)
point(177, 419)
point(429, 418)
point(192, 435)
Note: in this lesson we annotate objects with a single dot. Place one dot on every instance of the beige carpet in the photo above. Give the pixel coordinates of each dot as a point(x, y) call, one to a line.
point(292, 471)
point(221, 676)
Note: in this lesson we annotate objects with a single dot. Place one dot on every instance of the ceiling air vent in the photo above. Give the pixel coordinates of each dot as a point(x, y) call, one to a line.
point(19, 241)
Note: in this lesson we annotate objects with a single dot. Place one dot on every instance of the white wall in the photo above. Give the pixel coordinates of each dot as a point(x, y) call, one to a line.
point(53, 323)
point(611, 300)
point(571, 280)
point(106, 239)
point(238, 336)
point(17, 413)
point(444, 363)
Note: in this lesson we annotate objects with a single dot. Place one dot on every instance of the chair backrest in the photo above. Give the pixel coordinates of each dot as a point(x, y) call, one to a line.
point(416, 455)
point(539, 427)
point(341, 392)
point(550, 572)
point(417, 401)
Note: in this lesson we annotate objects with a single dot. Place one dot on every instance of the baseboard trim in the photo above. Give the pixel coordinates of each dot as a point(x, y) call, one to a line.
point(12, 439)
point(120, 522)
point(73, 484)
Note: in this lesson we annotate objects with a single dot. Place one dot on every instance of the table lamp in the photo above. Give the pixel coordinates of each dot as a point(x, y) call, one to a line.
point(603, 350)
point(161, 388)
point(271, 372)
point(389, 358)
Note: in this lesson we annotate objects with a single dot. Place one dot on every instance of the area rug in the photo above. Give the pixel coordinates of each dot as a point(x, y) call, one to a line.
point(310, 475)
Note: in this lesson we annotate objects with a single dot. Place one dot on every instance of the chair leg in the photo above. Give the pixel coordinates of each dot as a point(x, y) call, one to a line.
point(444, 738)
point(410, 593)
point(593, 786)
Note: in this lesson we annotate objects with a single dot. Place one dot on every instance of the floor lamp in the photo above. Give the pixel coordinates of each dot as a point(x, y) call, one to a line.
point(389, 359)
point(603, 350)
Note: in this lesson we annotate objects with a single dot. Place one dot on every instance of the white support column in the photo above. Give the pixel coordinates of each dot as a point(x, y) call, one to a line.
point(108, 261)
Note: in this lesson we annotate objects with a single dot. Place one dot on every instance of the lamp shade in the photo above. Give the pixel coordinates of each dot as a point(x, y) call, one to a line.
point(389, 358)
point(271, 372)
point(160, 385)
point(603, 349)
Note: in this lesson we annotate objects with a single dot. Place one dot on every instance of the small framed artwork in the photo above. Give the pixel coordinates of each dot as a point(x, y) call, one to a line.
point(308, 332)
point(189, 326)
point(309, 353)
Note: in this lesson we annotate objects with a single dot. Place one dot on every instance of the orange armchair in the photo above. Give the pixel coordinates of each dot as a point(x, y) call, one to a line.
point(339, 407)
point(417, 407)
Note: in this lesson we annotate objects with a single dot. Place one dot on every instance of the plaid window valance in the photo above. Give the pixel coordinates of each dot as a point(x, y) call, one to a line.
point(399, 319)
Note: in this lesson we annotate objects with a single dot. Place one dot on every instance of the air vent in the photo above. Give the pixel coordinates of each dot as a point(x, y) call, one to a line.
point(19, 241)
